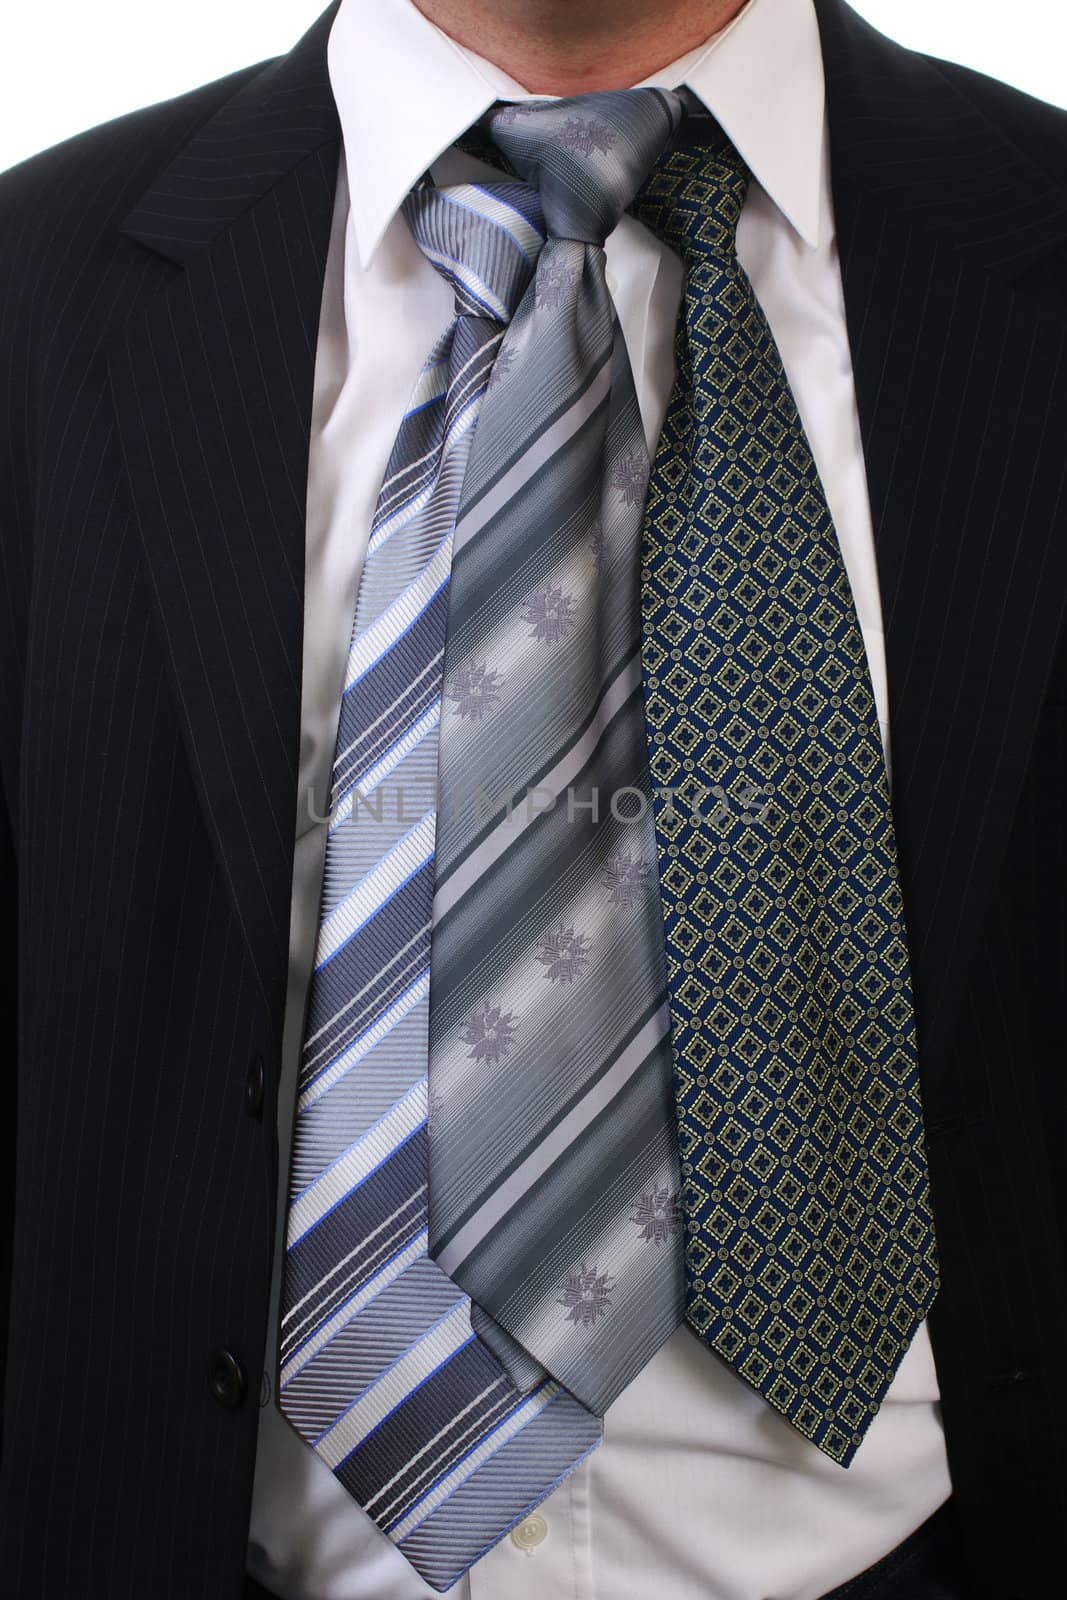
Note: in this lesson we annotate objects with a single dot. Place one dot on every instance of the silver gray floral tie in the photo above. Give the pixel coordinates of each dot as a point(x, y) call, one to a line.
point(553, 1150)
point(442, 1427)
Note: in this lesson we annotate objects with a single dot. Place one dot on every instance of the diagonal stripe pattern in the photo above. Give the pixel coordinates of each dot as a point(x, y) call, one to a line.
point(380, 1370)
point(553, 1150)
point(445, 1411)
point(811, 1256)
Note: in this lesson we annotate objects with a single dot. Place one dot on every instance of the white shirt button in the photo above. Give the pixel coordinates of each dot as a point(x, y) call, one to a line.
point(612, 283)
point(530, 1532)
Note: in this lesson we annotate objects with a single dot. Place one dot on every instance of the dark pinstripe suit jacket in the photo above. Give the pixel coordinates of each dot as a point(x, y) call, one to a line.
point(160, 282)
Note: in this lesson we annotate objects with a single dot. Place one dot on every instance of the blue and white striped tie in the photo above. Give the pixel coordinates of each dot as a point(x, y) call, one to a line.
point(380, 1371)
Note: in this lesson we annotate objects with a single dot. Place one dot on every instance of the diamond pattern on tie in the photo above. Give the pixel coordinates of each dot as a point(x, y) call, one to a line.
point(810, 1255)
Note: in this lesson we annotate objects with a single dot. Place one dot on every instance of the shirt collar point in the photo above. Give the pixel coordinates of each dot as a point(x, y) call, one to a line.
point(374, 211)
point(368, 237)
point(369, 217)
point(809, 231)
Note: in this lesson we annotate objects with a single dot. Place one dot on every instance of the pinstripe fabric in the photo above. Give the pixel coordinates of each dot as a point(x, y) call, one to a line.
point(551, 1115)
point(146, 1235)
point(380, 1370)
point(972, 599)
point(137, 972)
point(150, 575)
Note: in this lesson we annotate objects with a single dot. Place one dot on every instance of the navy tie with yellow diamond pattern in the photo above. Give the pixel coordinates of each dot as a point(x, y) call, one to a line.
point(810, 1255)
point(511, 511)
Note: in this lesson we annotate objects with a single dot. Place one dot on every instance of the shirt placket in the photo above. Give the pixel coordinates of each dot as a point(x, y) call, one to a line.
point(548, 1553)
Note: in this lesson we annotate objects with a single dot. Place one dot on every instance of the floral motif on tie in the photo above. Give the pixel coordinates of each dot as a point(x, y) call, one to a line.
point(552, 614)
point(627, 880)
point(474, 691)
point(586, 1295)
point(555, 284)
point(596, 544)
point(502, 366)
point(630, 478)
point(586, 136)
point(658, 1215)
point(488, 1032)
point(511, 113)
point(563, 955)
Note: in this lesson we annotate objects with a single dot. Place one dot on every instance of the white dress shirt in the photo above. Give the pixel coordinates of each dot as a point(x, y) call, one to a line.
point(699, 1491)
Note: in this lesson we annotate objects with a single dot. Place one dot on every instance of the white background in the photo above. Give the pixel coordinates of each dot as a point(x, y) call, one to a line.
point(66, 65)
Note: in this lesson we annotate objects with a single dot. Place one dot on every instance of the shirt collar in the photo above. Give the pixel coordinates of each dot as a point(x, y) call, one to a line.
point(761, 76)
point(762, 79)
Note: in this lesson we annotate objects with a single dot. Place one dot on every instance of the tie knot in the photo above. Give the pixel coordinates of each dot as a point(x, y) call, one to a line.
point(694, 198)
point(588, 156)
point(484, 238)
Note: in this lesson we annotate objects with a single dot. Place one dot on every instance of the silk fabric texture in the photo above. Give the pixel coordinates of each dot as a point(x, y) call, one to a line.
point(303, 1522)
point(587, 158)
point(380, 1370)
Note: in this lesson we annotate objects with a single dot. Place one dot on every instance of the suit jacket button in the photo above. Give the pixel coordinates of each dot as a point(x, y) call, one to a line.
point(254, 1083)
point(227, 1378)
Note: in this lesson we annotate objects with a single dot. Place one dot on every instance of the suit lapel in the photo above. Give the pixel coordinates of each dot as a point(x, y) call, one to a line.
point(962, 393)
point(213, 391)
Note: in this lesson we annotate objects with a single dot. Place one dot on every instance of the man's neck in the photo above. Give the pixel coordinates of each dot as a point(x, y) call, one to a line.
point(567, 47)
